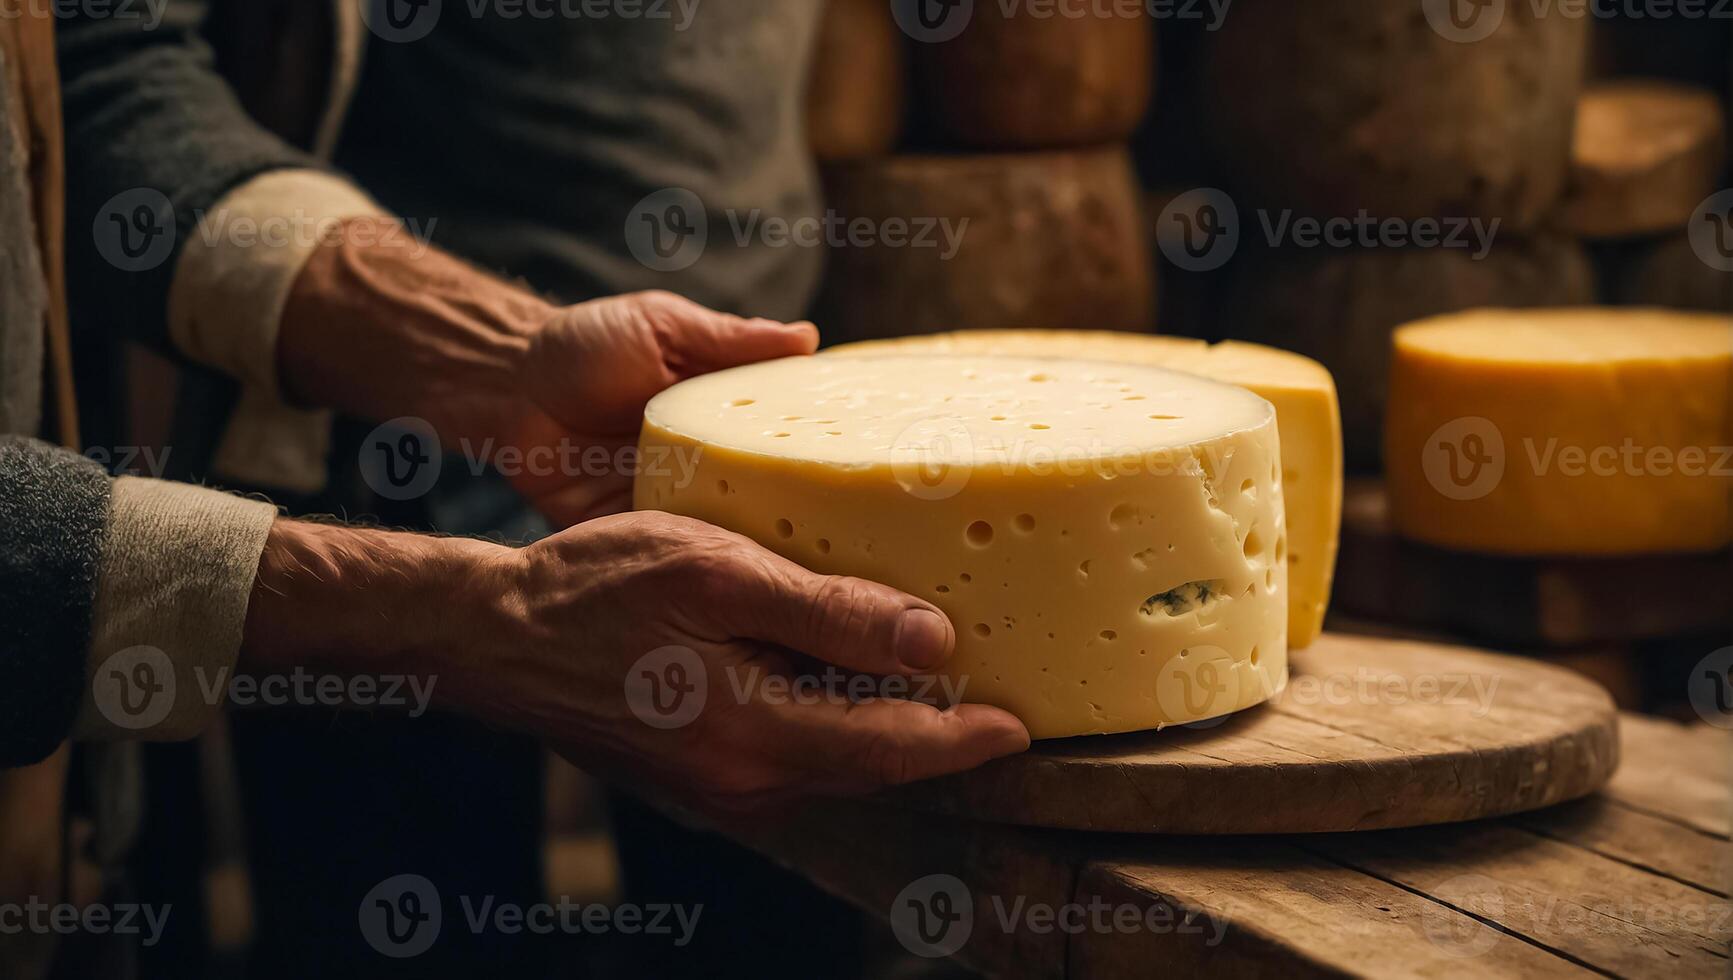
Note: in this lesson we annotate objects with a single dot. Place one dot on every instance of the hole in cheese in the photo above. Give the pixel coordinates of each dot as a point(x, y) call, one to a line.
point(979, 534)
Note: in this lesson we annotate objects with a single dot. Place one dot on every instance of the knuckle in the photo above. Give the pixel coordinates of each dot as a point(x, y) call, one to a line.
point(839, 612)
point(883, 761)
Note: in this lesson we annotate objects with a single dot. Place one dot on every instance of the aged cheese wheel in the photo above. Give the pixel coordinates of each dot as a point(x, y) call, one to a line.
point(1108, 539)
point(1562, 432)
point(1000, 240)
point(1301, 390)
point(1333, 108)
point(1645, 156)
point(1340, 307)
point(858, 85)
point(1012, 80)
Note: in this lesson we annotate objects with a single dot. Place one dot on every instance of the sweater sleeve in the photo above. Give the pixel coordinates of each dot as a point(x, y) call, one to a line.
point(200, 221)
point(124, 600)
point(53, 505)
point(155, 138)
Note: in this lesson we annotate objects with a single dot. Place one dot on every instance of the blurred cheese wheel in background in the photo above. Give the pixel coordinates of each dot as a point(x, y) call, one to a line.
point(1646, 154)
point(858, 85)
point(1562, 432)
point(1013, 79)
point(923, 244)
point(1108, 539)
point(1301, 390)
point(1333, 108)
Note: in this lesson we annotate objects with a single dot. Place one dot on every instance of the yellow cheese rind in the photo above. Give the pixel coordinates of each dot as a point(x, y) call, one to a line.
point(1302, 391)
point(1108, 539)
point(1562, 432)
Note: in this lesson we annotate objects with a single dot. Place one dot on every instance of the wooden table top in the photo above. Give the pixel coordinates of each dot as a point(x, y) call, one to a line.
point(1630, 882)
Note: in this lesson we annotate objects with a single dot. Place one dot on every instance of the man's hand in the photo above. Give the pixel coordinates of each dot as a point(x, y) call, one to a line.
point(381, 326)
point(550, 640)
point(590, 369)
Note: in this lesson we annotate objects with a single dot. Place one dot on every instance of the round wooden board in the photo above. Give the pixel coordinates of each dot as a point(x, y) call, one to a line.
point(1369, 734)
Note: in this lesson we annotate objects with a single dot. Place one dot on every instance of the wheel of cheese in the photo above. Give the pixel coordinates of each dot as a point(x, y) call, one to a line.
point(1340, 306)
point(1304, 396)
point(858, 85)
point(1562, 432)
point(1333, 108)
point(1016, 239)
point(1012, 80)
point(1108, 539)
point(1646, 154)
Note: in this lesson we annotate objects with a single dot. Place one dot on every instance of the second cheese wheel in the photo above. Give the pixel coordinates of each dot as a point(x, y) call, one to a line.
point(1562, 432)
point(1301, 390)
point(1108, 539)
point(993, 240)
point(1014, 81)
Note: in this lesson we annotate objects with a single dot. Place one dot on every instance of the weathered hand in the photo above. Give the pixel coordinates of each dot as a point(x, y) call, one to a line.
point(656, 650)
point(587, 374)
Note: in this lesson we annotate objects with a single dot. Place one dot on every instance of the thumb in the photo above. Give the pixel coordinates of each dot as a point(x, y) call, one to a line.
point(697, 340)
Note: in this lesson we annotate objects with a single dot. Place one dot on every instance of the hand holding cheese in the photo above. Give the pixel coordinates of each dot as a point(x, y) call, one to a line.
point(1109, 539)
point(555, 639)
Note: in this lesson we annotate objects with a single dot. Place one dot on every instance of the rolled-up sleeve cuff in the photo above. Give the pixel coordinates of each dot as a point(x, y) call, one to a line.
point(177, 571)
point(226, 302)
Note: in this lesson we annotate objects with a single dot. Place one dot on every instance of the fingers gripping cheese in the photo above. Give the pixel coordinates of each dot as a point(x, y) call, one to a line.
point(1108, 539)
point(1306, 409)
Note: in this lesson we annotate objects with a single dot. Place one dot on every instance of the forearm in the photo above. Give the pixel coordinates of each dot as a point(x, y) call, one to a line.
point(380, 325)
point(348, 602)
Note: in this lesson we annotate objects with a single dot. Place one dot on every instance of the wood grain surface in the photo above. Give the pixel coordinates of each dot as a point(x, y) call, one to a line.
point(1370, 733)
point(1632, 881)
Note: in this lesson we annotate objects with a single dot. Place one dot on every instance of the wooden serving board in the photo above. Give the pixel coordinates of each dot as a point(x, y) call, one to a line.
point(1370, 733)
point(1546, 602)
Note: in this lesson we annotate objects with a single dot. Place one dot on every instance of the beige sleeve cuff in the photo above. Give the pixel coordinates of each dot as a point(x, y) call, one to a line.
point(178, 565)
point(226, 303)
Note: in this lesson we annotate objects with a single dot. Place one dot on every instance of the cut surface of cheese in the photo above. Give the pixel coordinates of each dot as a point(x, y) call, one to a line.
point(1306, 410)
point(1560, 432)
point(1107, 539)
